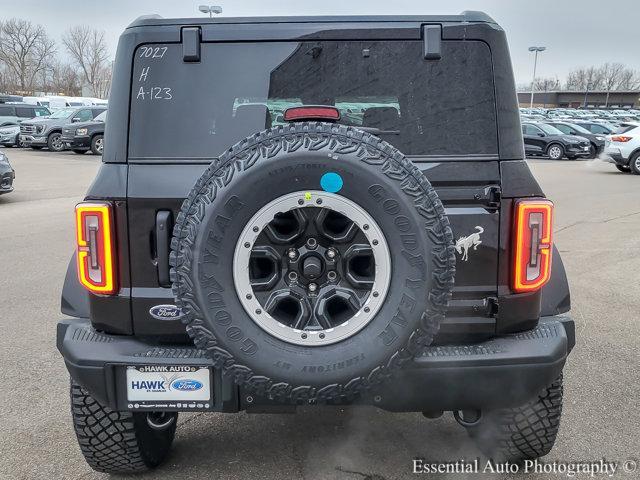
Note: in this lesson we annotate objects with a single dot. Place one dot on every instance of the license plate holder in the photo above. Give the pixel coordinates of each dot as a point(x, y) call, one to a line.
point(168, 387)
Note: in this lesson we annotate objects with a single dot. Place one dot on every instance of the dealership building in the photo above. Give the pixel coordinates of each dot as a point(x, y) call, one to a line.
point(576, 98)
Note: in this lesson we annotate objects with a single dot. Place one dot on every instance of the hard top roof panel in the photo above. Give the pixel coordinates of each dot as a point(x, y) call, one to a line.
point(466, 16)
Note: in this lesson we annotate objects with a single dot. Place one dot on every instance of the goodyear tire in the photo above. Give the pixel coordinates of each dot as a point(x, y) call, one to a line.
point(119, 442)
point(294, 160)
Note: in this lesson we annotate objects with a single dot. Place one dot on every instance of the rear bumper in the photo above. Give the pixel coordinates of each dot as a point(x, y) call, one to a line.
point(501, 372)
point(614, 155)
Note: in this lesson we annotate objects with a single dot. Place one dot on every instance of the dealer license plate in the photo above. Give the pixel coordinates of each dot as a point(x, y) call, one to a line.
point(168, 386)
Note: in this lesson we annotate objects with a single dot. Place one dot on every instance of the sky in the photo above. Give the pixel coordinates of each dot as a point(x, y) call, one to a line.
point(576, 33)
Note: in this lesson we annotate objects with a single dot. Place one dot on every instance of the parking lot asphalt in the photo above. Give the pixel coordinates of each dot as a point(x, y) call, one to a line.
point(597, 231)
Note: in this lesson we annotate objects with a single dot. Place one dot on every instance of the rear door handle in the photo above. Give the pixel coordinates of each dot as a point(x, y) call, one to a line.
point(164, 224)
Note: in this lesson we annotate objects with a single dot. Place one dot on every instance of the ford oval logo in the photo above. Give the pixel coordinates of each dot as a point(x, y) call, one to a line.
point(165, 312)
point(186, 385)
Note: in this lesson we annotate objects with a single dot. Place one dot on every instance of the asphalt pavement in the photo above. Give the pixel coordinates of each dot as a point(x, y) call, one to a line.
point(597, 230)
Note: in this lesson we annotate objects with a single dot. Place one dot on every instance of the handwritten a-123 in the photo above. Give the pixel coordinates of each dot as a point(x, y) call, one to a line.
point(154, 93)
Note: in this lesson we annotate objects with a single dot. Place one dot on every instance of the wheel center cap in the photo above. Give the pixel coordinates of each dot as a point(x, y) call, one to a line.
point(312, 267)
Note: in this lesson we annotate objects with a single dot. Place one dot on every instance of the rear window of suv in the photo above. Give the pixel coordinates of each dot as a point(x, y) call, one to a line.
point(198, 110)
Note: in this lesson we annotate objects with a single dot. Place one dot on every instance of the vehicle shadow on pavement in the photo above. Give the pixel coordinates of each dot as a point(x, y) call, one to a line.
point(316, 443)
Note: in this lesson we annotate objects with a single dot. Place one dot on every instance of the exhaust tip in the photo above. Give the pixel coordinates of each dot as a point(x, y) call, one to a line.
point(161, 420)
point(468, 418)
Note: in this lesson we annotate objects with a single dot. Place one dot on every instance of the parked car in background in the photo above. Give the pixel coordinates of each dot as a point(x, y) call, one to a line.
point(14, 113)
point(81, 137)
point(623, 148)
point(10, 136)
point(543, 139)
point(47, 132)
point(597, 141)
point(7, 174)
point(596, 126)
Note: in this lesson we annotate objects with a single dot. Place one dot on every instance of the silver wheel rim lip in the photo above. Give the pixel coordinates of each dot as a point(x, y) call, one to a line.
point(357, 215)
point(57, 143)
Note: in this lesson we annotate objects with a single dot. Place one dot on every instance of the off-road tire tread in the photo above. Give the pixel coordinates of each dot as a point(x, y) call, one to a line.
point(340, 139)
point(109, 440)
point(523, 433)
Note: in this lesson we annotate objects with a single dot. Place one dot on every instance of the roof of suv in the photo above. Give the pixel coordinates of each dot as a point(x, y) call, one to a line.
point(466, 16)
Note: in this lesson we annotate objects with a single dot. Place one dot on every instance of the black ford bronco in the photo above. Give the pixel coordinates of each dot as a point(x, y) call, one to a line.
point(342, 215)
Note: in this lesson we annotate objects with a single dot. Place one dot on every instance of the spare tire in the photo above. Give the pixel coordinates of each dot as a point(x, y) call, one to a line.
point(311, 261)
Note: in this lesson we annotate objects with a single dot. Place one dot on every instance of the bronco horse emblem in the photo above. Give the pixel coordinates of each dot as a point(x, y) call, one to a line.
point(465, 243)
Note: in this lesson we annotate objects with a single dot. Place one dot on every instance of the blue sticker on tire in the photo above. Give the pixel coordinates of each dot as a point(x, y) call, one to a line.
point(331, 182)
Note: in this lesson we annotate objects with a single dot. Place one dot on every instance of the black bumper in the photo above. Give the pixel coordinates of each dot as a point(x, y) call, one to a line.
point(77, 142)
point(577, 152)
point(501, 372)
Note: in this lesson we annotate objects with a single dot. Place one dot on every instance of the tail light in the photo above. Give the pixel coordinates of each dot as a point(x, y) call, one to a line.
point(312, 113)
point(620, 138)
point(532, 244)
point(96, 252)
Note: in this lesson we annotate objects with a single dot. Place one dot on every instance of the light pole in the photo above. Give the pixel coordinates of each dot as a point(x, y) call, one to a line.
point(210, 9)
point(535, 64)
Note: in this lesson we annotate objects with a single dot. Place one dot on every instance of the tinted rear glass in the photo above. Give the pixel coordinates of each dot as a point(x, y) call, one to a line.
point(25, 112)
point(198, 110)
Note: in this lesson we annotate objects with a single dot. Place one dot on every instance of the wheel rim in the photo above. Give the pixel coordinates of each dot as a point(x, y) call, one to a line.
point(99, 145)
point(312, 268)
point(555, 152)
point(56, 142)
point(636, 163)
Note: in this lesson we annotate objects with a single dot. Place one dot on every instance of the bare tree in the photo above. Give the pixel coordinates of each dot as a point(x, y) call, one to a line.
point(103, 82)
point(25, 50)
point(610, 77)
point(65, 80)
point(628, 80)
point(587, 79)
point(88, 49)
point(547, 84)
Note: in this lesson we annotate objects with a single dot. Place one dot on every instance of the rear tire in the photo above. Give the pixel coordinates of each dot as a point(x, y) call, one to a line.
point(634, 163)
point(555, 151)
point(521, 433)
point(118, 442)
point(623, 168)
